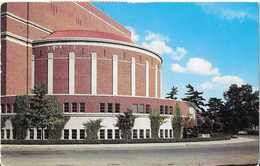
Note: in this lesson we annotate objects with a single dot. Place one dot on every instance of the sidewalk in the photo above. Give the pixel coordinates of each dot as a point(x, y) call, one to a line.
point(117, 146)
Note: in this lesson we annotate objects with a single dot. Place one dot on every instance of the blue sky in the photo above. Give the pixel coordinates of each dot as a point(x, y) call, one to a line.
point(207, 45)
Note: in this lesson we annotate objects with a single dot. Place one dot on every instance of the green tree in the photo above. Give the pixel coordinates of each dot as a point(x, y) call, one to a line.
point(189, 127)
point(44, 111)
point(177, 122)
point(125, 123)
point(205, 125)
point(55, 130)
point(20, 121)
point(241, 108)
point(156, 120)
point(92, 128)
point(3, 120)
point(194, 97)
point(214, 106)
point(173, 93)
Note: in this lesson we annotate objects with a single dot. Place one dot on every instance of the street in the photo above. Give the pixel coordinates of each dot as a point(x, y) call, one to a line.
point(240, 151)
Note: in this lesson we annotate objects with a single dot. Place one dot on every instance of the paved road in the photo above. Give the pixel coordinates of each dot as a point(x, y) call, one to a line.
point(236, 152)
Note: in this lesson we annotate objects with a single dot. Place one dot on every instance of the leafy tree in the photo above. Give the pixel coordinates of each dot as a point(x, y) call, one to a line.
point(194, 97)
point(241, 108)
point(20, 121)
point(55, 130)
point(177, 122)
point(156, 120)
point(44, 111)
point(173, 93)
point(125, 123)
point(214, 106)
point(205, 125)
point(189, 127)
point(92, 128)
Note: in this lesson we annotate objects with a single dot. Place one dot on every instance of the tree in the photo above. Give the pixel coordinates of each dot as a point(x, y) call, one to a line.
point(205, 125)
point(20, 121)
point(156, 120)
point(214, 106)
point(44, 111)
point(177, 122)
point(172, 94)
point(194, 97)
point(189, 127)
point(125, 123)
point(241, 108)
point(92, 128)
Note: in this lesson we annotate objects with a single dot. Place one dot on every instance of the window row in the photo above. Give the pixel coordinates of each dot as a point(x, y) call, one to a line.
point(6, 108)
point(141, 109)
point(74, 107)
point(109, 107)
point(168, 110)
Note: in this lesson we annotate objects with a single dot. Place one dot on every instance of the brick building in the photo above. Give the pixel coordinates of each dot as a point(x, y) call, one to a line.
point(88, 62)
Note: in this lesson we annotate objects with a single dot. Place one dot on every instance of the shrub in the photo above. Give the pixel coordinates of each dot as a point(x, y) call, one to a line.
point(92, 128)
point(56, 129)
point(177, 122)
point(156, 120)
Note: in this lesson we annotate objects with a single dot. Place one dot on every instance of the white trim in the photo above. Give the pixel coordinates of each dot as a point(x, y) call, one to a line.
point(156, 81)
point(133, 76)
point(8, 38)
point(16, 36)
point(32, 76)
point(102, 20)
point(94, 73)
point(71, 73)
point(115, 74)
point(50, 73)
point(96, 42)
point(147, 78)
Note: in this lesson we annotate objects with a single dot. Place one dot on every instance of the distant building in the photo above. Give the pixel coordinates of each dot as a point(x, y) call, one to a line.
point(88, 62)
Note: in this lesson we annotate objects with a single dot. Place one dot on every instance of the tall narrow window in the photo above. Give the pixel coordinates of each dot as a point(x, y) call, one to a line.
point(134, 134)
point(117, 136)
point(101, 134)
point(147, 108)
point(82, 133)
point(147, 134)
point(102, 107)
point(161, 109)
point(135, 108)
point(74, 107)
point(109, 107)
point(14, 109)
point(82, 107)
point(166, 133)
point(7, 133)
point(2, 108)
point(109, 134)
point(2, 133)
point(8, 108)
point(31, 133)
point(66, 133)
point(141, 110)
point(46, 134)
point(39, 133)
point(166, 110)
point(117, 108)
point(170, 133)
point(161, 133)
point(171, 110)
point(141, 133)
point(74, 133)
point(66, 107)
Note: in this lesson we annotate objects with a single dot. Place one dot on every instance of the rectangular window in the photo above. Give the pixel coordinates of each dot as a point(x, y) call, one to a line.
point(134, 134)
point(141, 133)
point(102, 107)
point(82, 107)
point(39, 133)
point(2, 133)
point(14, 109)
point(135, 108)
point(66, 133)
point(109, 107)
point(161, 133)
point(166, 110)
point(82, 134)
point(109, 134)
point(141, 108)
point(171, 110)
point(31, 133)
point(117, 136)
point(74, 133)
point(74, 107)
point(147, 134)
point(147, 108)
point(165, 133)
point(117, 108)
point(66, 107)
point(2, 108)
point(102, 134)
point(170, 133)
point(7, 133)
point(161, 109)
point(8, 108)
point(46, 134)
point(14, 134)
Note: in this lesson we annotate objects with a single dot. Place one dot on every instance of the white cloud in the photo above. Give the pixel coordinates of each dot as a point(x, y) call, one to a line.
point(134, 36)
point(197, 66)
point(157, 43)
point(221, 82)
point(179, 53)
point(255, 89)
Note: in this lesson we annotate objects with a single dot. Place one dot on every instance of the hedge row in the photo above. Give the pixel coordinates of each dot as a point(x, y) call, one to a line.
point(116, 141)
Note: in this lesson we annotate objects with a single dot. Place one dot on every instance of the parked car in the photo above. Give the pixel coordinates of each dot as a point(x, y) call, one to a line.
point(242, 132)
